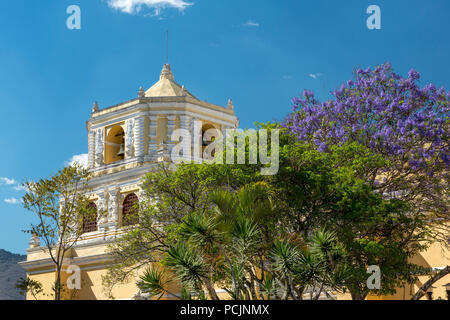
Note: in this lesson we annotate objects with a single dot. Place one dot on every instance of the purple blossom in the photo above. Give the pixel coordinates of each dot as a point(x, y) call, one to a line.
point(382, 110)
point(322, 147)
point(413, 74)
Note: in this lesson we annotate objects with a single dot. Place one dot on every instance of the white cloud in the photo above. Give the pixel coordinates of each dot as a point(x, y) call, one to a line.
point(135, 6)
point(12, 200)
point(251, 23)
point(7, 181)
point(13, 183)
point(19, 187)
point(315, 75)
point(80, 159)
point(287, 77)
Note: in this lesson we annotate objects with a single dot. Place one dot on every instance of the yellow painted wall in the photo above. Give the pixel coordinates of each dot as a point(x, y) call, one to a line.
point(47, 280)
point(92, 289)
point(435, 256)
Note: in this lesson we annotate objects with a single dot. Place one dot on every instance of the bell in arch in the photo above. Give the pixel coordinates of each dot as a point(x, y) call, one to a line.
point(121, 152)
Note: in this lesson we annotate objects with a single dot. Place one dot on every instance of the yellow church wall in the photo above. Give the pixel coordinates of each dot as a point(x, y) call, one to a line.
point(89, 251)
point(92, 288)
point(436, 256)
point(37, 254)
point(47, 280)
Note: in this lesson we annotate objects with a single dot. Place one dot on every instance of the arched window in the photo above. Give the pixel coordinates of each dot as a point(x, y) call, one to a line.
point(115, 145)
point(90, 220)
point(129, 212)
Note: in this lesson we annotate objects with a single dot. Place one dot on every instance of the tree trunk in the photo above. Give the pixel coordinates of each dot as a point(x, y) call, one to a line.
point(300, 292)
point(58, 284)
point(212, 292)
point(292, 289)
point(356, 295)
point(230, 265)
point(317, 297)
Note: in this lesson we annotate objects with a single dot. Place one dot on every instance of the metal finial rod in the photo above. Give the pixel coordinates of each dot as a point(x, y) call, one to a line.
point(167, 46)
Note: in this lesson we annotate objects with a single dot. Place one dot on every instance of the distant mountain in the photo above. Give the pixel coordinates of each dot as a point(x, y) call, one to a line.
point(10, 272)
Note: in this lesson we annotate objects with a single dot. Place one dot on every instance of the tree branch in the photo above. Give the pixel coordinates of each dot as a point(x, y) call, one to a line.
point(427, 285)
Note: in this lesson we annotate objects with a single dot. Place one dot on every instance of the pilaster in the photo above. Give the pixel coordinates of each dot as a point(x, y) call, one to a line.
point(91, 147)
point(139, 138)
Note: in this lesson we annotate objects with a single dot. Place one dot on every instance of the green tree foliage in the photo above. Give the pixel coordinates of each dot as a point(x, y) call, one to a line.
point(314, 227)
point(334, 190)
point(30, 286)
point(60, 205)
point(168, 196)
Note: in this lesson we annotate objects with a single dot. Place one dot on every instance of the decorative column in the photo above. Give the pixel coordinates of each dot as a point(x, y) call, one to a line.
point(99, 147)
point(139, 138)
point(113, 209)
point(91, 146)
point(129, 139)
point(102, 211)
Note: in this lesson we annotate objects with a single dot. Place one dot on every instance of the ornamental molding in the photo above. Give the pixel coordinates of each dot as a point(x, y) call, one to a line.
point(113, 205)
point(129, 138)
point(99, 147)
point(102, 207)
point(161, 104)
point(47, 265)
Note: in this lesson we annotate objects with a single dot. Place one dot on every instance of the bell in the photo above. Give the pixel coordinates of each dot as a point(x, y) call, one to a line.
point(121, 152)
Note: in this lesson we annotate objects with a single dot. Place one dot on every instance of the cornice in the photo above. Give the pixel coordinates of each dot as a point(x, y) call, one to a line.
point(155, 103)
point(47, 265)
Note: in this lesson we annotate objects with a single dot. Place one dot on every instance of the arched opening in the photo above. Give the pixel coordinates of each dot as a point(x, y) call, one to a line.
point(90, 219)
point(209, 134)
point(161, 130)
point(115, 145)
point(130, 210)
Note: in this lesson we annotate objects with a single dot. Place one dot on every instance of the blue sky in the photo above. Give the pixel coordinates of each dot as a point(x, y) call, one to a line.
point(259, 53)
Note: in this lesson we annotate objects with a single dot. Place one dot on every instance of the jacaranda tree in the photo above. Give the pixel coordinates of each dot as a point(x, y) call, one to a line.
point(394, 117)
